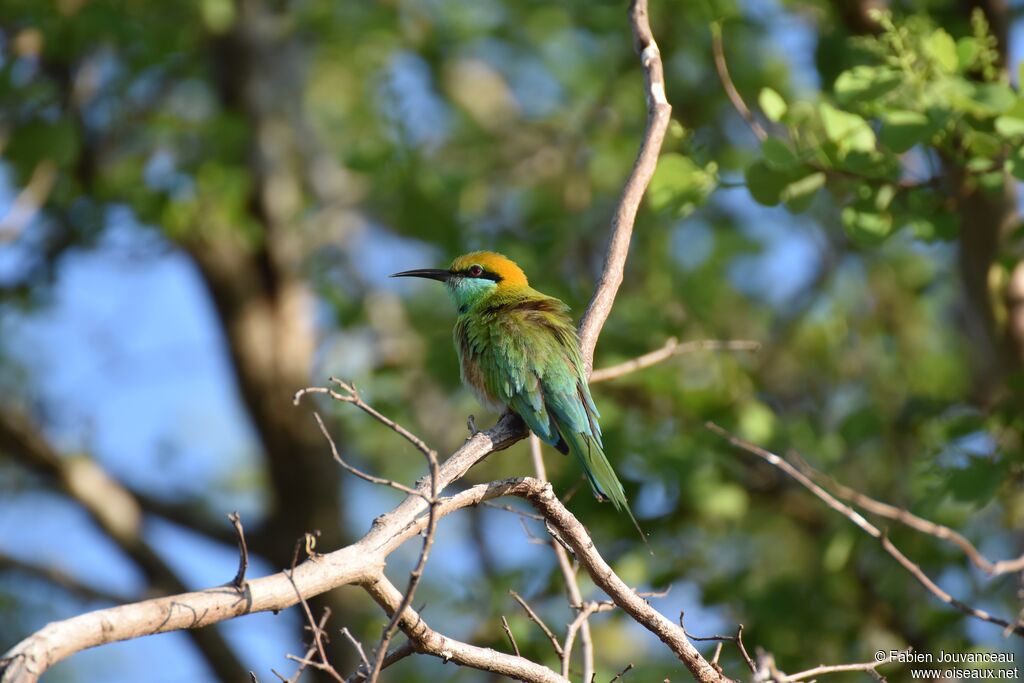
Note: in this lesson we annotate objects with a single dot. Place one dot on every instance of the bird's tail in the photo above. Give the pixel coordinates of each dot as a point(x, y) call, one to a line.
point(599, 471)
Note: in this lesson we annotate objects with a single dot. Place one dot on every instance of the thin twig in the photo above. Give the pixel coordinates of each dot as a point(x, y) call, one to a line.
point(659, 113)
point(243, 550)
point(730, 88)
point(908, 518)
point(867, 527)
point(570, 635)
point(304, 661)
point(622, 673)
point(672, 347)
point(428, 538)
point(447, 649)
point(396, 655)
point(535, 618)
point(508, 632)
point(743, 648)
point(738, 639)
point(840, 668)
point(365, 476)
point(357, 645)
point(317, 629)
point(522, 514)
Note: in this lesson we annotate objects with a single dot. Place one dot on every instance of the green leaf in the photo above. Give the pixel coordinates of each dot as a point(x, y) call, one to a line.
point(1017, 163)
point(679, 184)
point(902, 130)
point(39, 140)
point(838, 551)
point(772, 104)
point(866, 227)
point(967, 51)
point(1010, 126)
point(866, 83)
point(1011, 123)
point(765, 183)
point(941, 47)
point(934, 227)
point(986, 99)
point(977, 482)
point(799, 194)
point(984, 145)
point(884, 196)
point(849, 131)
point(778, 153)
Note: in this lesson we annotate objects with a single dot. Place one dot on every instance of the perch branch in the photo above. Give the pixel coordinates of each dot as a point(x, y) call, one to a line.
point(572, 587)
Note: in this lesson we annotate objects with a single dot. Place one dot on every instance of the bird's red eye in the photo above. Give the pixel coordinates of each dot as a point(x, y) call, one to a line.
point(475, 271)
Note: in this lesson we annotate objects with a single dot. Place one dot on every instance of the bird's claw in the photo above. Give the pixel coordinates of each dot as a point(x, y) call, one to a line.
point(471, 426)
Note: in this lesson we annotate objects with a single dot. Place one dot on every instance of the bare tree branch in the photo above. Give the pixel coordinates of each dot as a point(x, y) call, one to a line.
point(29, 201)
point(243, 550)
point(580, 622)
point(116, 511)
point(508, 633)
point(925, 526)
point(361, 563)
point(27, 660)
point(572, 586)
point(535, 618)
point(307, 660)
point(622, 673)
point(837, 668)
point(672, 347)
point(428, 641)
point(659, 113)
point(868, 528)
point(60, 578)
point(738, 639)
point(722, 67)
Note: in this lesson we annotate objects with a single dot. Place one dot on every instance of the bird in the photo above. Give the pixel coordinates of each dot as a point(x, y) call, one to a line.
point(518, 350)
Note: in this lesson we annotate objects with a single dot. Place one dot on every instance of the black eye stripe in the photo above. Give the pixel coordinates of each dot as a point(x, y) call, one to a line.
point(482, 275)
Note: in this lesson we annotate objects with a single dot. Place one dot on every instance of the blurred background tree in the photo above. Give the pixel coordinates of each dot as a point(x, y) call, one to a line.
point(201, 201)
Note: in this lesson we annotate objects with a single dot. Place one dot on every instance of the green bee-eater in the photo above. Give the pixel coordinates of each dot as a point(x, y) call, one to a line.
point(519, 350)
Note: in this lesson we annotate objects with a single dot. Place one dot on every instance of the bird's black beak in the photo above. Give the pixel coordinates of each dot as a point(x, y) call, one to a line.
point(428, 273)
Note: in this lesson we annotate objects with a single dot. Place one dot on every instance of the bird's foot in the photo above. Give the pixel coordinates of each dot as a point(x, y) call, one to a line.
point(471, 426)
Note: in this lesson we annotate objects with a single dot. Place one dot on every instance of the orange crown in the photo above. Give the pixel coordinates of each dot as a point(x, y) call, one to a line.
point(492, 262)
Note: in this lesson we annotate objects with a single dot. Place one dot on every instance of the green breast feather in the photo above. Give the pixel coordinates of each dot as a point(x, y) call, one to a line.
point(521, 351)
